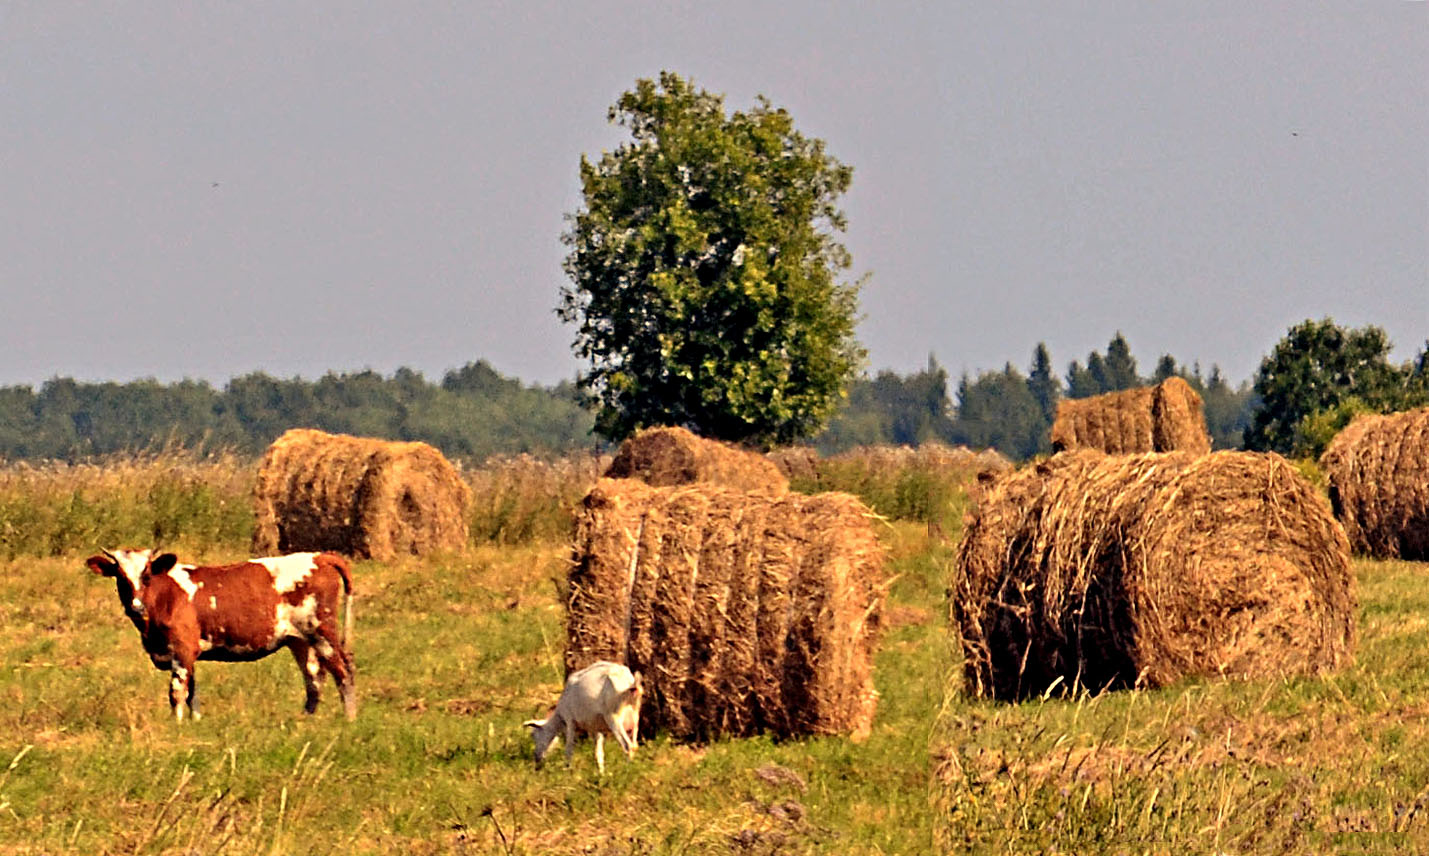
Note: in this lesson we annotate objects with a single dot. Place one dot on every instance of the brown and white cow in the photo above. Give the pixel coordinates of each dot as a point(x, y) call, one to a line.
point(239, 612)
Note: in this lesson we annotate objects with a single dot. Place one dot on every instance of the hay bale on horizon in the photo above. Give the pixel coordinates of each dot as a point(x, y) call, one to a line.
point(360, 496)
point(667, 456)
point(1093, 571)
point(1167, 417)
point(746, 613)
point(796, 462)
point(1378, 474)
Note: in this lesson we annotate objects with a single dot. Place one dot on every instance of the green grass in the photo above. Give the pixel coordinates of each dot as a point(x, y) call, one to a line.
point(1301, 765)
point(453, 654)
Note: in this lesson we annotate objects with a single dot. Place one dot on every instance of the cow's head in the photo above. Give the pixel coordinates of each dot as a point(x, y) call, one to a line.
point(130, 570)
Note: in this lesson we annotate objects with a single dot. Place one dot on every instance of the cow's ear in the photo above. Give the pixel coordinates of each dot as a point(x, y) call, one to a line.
point(638, 685)
point(163, 564)
point(102, 565)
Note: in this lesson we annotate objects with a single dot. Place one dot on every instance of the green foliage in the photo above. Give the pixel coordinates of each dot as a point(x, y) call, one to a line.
point(1120, 365)
point(167, 499)
point(1116, 370)
point(898, 484)
point(1009, 412)
point(1315, 431)
point(1043, 384)
point(702, 270)
point(1228, 409)
point(1165, 368)
point(999, 411)
point(1317, 366)
point(474, 413)
point(892, 408)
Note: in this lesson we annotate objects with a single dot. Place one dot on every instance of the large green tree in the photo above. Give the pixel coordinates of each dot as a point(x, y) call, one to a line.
point(1316, 367)
point(704, 271)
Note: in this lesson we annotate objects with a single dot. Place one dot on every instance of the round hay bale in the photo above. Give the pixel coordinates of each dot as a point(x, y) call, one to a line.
point(745, 612)
point(797, 462)
point(1167, 417)
point(1378, 474)
point(664, 457)
point(363, 497)
point(1097, 572)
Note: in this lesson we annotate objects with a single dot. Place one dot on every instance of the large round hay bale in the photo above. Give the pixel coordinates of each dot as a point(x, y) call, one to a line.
point(663, 457)
point(363, 497)
point(1167, 417)
point(745, 612)
point(1378, 473)
point(1092, 571)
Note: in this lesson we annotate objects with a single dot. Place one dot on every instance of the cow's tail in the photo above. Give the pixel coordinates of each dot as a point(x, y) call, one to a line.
point(345, 571)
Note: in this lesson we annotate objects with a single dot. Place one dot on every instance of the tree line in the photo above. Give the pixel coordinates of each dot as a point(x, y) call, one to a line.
point(1314, 380)
point(472, 413)
point(1013, 412)
point(1310, 385)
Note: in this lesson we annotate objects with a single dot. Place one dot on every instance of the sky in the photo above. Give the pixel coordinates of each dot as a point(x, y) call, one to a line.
point(207, 189)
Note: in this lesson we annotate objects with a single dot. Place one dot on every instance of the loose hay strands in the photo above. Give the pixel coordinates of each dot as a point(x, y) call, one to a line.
point(674, 456)
point(745, 612)
point(1101, 571)
point(1378, 474)
point(1167, 417)
point(365, 497)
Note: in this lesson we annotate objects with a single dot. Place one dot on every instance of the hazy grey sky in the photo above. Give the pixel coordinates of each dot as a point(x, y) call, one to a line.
point(204, 189)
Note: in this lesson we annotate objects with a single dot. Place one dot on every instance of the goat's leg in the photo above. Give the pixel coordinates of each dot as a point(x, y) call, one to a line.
point(627, 745)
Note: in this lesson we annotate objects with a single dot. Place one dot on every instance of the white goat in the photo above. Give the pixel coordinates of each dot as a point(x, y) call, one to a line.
point(603, 698)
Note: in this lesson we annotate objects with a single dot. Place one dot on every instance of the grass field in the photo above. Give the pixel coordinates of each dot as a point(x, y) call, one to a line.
point(455, 652)
point(453, 655)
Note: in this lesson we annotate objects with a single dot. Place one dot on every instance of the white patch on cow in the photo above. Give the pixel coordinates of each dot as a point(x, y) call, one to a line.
point(300, 621)
point(204, 645)
point(212, 602)
point(323, 648)
point(312, 663)
point(180, 575)
point(132, 564)
point(289, 572)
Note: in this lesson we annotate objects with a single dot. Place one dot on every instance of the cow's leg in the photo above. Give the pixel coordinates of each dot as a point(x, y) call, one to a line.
point(180, 682)
point(193, 697)
point(600, 752)
point(338, 663)
point(312, 672)
point(570, 740)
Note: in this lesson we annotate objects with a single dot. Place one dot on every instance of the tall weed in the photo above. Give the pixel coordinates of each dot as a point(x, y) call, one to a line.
point(161, 499)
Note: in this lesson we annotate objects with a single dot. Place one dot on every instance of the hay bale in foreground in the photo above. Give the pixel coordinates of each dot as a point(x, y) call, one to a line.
point(663, 457)
point(746, 613)
point(1098, 571)
point(1167, 417)
point(1378, 473)
point(359, 496)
